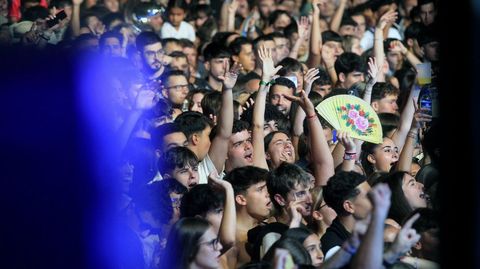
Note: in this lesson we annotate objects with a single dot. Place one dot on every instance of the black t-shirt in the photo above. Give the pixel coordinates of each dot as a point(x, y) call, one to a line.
point(335, 235)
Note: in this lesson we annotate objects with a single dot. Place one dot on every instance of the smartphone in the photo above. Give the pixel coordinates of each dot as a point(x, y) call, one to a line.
point(58, 18)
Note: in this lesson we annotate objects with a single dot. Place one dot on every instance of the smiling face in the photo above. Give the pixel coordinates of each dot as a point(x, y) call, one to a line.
point(278, 99)
point(280, 150)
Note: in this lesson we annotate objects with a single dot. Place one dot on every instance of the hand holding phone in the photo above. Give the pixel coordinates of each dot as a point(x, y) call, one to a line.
point(58, 18)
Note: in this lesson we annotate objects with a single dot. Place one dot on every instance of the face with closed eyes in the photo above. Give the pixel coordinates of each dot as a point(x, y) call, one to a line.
point(413, 191)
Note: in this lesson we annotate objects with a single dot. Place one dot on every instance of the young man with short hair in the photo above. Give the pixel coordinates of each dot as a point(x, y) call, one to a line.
point(253, 206)
point(152, 54)
point(176, 88)
point(346, 193)
point(181, 164)
point(384, 98)
point(242, 52)
point(350, 69)
point(216, 58)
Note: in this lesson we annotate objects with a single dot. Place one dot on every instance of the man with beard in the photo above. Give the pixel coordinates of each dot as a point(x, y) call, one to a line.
point(152, 54)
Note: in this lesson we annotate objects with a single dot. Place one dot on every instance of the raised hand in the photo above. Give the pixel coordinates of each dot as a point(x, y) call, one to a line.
point(388, 18)
point(373, 71)
point(397, 45)
point(421, 116)
point(347, 142)
point(309, 78)
point(248, 104)
point(268, 69)
point(231, 74)
point(216, 182)
point(328, 56)
point(77, 2)
point(146, 99)
point(406, 238)
point(303, 27)
point(232, 7)
point(295, 210)
point(380, 195)
point(303, 101)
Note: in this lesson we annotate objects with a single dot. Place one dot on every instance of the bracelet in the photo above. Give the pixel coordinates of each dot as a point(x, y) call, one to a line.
point(263, 83)
point(311, 116)
point(349, 156)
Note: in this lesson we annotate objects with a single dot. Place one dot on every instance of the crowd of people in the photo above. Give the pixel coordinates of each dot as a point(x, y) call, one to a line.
point(222, 158)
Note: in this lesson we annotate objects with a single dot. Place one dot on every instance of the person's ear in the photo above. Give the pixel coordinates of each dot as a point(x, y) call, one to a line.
point(158, 153)
point(418, 246)
point(241, 200)
point(375, 105)
point(371, 159)
point(348, 206)
point(279, 199)
point(235, 58)
point(317, 215)
point(195, 139)
point(165, 93)
point(410, 42)
point(267, 156)
point(207, 65)
point(341, 77)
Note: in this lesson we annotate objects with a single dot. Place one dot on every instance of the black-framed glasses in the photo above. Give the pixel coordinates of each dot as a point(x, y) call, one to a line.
point(178, 87)
point(214, 243)
point(321, 206)
point(150, 53)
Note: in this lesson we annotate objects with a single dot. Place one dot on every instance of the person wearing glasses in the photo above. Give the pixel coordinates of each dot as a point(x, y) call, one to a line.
point(322, 215)
point(192, 243)
point(152, 54)
point(176, 89)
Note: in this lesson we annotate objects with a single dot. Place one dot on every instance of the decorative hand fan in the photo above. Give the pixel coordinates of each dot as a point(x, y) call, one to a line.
point(352, 114)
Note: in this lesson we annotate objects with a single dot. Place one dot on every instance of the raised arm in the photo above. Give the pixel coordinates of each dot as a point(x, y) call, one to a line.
point(406, 118)
point(231, 10)
point(374, 70)
point(218, 149)
point(229, 219)
point(322, 158)
point(268, 71)
point(411, 58)
point(308, 80)
point(303, 31)
point(314, 56)
point(387, 18)
point(146, 99)
point(76, 17)
point(406, 238)
point(337, 16)
point(350, 153)
point(405, 160)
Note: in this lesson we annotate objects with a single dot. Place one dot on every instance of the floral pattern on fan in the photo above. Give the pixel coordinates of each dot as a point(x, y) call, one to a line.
point(357, 119)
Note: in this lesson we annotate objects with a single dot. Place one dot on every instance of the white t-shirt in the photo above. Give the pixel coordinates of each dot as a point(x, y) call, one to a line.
point(184, 31)
point(205, 167)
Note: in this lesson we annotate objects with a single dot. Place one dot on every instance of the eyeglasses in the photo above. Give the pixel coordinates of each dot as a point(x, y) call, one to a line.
point(214, 244)
point(321, 206)
point(178, 87)
point(150, 54)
